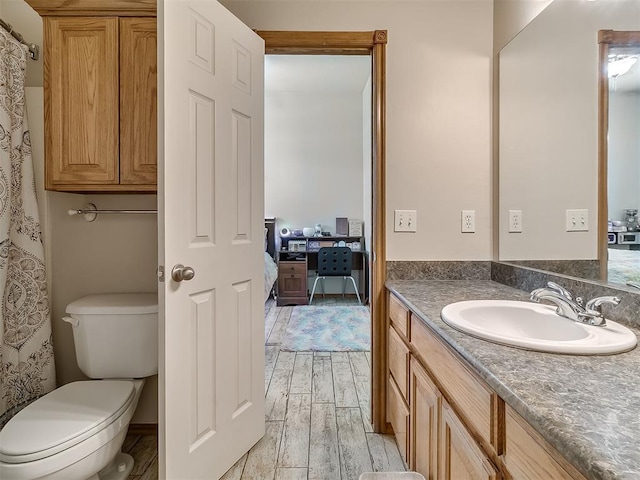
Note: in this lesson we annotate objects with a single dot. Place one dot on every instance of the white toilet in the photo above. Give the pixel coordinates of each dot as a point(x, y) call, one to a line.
point(76, 431)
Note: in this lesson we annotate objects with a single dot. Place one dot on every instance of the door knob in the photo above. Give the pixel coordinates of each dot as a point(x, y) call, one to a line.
point(179, 273)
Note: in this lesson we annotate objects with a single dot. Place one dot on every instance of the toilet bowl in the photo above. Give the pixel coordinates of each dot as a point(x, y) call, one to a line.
point(77, 431)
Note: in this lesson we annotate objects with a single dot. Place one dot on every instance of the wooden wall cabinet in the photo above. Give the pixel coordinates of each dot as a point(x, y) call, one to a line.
point(457, 426)
point(100, 104)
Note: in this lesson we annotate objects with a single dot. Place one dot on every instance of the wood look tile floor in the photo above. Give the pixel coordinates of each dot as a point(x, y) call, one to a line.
point(317, 417)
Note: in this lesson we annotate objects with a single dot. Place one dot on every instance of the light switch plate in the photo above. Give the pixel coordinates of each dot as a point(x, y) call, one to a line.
point(578, 220)
point(405, 221)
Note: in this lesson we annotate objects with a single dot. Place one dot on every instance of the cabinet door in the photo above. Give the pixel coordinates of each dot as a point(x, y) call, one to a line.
point(292, 279)
point(81, 101)
point(527, 455)
point(399, 362)
point(398, 415)
point(425, 405)
point(138, 101)
point(292, 285)
point(460, 456)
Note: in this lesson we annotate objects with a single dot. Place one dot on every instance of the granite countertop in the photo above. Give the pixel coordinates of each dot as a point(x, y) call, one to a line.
point(587, 407)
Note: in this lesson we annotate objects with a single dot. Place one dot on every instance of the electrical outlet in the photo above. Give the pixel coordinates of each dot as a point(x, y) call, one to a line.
point(515, 221)
point(578, 220)
point(468, 221)
point(405, 221)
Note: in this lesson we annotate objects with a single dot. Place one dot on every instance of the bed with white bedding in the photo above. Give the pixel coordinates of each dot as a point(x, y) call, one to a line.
point(270, 266)
point(270, 274)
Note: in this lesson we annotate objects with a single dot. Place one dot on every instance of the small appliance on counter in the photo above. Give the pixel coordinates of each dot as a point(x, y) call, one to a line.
point(632, 219)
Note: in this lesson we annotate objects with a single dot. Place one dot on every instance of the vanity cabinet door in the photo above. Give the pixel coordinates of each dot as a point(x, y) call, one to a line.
point(425, 405)
point(398, 415)
point(460, 456)
point(399, 362)
point(527, 456)
point(469, 396)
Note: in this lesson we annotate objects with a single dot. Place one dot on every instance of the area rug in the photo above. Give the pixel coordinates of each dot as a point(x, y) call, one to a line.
point(624, 266)
point(328, 329)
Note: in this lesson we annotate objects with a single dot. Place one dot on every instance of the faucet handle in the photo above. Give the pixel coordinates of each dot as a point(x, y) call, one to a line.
point(596, 303)
point(560, 289)
point(593, 317)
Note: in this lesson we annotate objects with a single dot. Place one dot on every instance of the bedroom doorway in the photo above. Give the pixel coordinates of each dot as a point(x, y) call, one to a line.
point(372, 46)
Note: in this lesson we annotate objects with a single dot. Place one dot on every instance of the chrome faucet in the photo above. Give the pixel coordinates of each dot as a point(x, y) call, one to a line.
point(590, 314)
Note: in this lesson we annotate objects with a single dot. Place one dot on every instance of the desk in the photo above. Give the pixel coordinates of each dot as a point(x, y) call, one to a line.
point(299, 255)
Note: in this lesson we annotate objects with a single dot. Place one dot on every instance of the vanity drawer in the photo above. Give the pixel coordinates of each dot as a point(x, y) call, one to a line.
point(471, 399)
point(398, 415)
point(399, 316)
point(399, 362)
point(527, 455)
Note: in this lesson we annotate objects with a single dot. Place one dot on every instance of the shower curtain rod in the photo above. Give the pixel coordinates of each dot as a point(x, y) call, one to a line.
point(34, 50)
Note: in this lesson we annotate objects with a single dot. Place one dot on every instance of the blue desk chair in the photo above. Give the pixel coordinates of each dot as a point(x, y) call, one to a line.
point(334, 262)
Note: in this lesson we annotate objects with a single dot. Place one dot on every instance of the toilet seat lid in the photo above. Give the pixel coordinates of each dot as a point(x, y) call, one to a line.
point(64, 418)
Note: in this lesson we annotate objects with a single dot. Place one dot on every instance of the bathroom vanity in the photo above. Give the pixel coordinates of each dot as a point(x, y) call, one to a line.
point(462, 407)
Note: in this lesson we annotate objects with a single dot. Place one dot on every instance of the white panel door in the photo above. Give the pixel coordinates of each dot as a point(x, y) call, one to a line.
point(211, 208)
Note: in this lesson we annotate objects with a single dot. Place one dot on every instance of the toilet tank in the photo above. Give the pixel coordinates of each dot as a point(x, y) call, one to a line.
point(116, 335)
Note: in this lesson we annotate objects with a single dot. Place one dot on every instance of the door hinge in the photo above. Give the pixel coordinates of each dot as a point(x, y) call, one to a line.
point(160, 273)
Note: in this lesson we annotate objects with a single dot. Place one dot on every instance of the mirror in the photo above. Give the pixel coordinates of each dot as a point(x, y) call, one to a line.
point(548, 137)
point(619, 139)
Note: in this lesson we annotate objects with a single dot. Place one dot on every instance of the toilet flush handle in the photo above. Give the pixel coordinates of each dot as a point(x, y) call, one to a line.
point(73, 321)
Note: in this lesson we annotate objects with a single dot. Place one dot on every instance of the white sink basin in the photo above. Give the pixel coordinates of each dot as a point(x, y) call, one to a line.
point(536, 327)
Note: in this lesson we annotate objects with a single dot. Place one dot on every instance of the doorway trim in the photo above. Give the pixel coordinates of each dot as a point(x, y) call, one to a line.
point(371, 43)
point(606, 40)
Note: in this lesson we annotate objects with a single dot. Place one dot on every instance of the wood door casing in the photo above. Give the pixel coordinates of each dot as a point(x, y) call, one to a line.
point(138, 101)
point(81, 101)
point(367, 43)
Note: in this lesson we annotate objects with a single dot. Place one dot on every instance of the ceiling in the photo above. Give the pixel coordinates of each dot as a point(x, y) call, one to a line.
point(316, 73)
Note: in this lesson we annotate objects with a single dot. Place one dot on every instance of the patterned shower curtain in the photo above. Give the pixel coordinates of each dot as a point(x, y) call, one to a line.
point(26, 352)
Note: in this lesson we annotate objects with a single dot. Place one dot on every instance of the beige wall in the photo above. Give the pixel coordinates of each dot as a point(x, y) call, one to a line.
point(511, 16)
point(26, 21)
point(438, 110)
